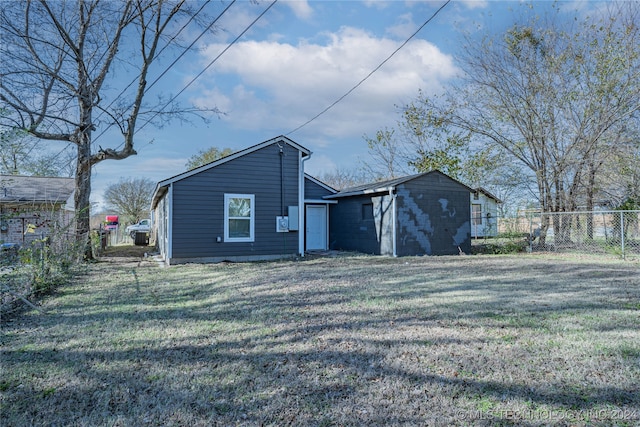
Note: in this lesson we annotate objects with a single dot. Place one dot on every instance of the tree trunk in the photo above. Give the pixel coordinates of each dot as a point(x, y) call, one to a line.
point(590, 202)
point(83, 192)
point(545, 207)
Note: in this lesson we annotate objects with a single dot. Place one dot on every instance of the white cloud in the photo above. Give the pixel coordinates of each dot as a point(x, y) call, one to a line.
point(404, 28)
point(300, 8)
point(212, 97)
point(378, 4)
point(319, 164)
point(280, 85)
point(475, 4)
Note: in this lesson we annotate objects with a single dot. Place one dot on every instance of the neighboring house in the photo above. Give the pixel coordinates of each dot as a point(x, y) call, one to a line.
point(423, 214)
point(255, 204)
point(484, 213)
point(31, 206)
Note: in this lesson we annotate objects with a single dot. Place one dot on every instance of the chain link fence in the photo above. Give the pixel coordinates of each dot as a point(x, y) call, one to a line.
point(114, 237)
point(595, 232)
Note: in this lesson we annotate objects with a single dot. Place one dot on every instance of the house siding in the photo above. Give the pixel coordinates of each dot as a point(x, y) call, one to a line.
point(27, 223)
point(489, 216)
point(353, 228)
point(313, 191)
point(433, 214)
point(198, 207)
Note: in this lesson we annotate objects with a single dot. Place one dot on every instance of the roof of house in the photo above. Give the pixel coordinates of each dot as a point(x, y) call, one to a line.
point(320, 183)
point(488, 194)
point(161, 187)
point(35, 189)
point(383, 186)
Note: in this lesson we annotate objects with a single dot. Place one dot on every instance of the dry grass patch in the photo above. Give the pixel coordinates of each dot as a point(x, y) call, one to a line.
point(476, 340)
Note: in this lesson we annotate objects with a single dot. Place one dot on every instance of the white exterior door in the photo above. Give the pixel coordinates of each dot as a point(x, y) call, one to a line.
point(316, 226)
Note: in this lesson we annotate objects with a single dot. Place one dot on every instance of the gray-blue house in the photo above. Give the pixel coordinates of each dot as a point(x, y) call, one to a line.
point(258, 204)
point(423, 214)
point(255, 204)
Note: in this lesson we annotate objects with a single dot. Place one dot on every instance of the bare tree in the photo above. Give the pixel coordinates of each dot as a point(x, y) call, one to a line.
point(130, 198)
point(554, 98)
point(12, 152)
point(62, 62)
point(341, 178)
point(21, 154)
point(387, 156)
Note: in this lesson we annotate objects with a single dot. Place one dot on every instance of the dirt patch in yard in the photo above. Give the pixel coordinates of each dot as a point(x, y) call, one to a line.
point(126, 251)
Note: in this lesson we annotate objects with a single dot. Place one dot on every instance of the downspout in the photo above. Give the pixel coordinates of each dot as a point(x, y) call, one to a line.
point(283, 213)
point(282, 208)
point(170, 225)
point(302, 229)
point(393, 218)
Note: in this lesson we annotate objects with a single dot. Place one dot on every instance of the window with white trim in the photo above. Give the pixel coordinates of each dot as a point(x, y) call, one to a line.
point(476, 214)
point(239, 214)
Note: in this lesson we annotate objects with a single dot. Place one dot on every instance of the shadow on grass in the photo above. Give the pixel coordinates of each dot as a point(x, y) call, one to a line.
point(321, 343)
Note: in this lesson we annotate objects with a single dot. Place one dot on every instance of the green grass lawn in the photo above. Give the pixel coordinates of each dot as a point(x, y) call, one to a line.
point(345, 341)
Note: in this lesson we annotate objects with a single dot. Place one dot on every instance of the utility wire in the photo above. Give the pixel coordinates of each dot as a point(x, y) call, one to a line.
point(191, 18)
point(205, 69)
point(189, 47)
point(170, 65)
point(166, 70)
point(372, 72)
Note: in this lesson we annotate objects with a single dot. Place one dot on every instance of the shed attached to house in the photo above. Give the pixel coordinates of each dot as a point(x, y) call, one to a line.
point(423, 214)
point(247, 206)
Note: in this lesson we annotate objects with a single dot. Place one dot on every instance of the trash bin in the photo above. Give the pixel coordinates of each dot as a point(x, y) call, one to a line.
point(104, 234)
point(142, 238)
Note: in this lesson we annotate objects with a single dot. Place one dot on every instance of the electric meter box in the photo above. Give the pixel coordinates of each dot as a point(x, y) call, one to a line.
point(282, 224)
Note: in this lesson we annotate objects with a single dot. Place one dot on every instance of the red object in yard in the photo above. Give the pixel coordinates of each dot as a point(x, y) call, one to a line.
point(111, 222)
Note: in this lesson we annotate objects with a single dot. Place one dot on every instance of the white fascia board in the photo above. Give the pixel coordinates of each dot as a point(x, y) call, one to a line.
point(321, 201)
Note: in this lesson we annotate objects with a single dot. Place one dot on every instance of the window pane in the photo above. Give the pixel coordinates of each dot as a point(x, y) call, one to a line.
point(239, 207)
point(476, 214)
point(239, 228)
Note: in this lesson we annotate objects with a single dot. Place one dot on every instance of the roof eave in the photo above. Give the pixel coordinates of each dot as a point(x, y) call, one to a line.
point(361, 192)
point(165, 183)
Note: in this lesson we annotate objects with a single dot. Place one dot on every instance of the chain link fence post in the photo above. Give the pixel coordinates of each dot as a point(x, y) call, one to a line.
point(622, 233)
point(593, 232)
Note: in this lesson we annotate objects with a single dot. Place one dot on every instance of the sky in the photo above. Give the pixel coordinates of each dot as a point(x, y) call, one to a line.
point(295, 61)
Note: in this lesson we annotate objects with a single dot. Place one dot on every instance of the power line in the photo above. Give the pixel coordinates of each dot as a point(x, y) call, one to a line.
point(205, 68)
point(189, 47)
point(372, 72)
point(200, 73)
point(165, 71)
point(191, 18)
